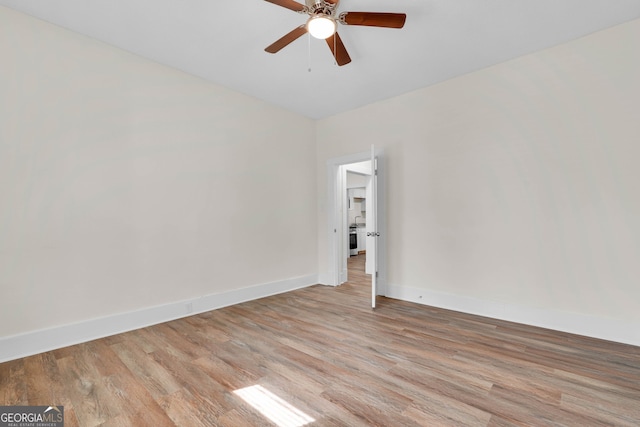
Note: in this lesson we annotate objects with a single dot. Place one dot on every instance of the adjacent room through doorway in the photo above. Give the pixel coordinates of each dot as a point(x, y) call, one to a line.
point(353, 221)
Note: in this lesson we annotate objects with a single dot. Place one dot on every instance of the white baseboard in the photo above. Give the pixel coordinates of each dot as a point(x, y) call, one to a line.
point(328, 279)
point(30, 343)
point(325, 279)
point(580, 324)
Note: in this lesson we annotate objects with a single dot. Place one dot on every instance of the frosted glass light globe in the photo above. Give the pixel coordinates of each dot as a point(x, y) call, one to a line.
point(321, 26)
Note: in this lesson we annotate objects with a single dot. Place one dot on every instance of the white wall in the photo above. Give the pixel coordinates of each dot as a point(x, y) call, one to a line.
point(126, 185)
point(513, 191)
point(356, 180)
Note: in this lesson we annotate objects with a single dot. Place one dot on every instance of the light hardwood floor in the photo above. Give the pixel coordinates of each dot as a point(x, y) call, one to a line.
point(326, 352)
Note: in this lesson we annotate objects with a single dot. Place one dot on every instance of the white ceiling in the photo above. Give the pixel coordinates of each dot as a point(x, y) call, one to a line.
point(224, 41)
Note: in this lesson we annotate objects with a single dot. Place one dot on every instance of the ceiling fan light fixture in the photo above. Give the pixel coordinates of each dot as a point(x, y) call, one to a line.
point(321, 26)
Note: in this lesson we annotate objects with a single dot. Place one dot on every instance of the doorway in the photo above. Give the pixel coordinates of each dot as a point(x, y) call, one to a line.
point(351, 191)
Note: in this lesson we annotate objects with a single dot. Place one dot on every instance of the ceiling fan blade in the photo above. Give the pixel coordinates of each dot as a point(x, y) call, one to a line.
point(375, 19)
point(289, 4)
point(339, 51)
point(286, 39)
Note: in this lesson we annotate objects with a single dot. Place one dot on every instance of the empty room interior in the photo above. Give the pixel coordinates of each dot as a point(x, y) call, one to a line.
point(188, 236)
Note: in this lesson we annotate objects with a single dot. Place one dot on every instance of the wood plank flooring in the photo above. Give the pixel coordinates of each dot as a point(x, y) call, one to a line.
point(324, 351)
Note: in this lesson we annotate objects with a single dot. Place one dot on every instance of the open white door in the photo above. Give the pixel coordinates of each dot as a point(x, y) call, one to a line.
point(372, 228)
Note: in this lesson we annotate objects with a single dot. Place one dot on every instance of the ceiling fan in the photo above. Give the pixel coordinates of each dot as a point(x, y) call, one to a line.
point(322, 24)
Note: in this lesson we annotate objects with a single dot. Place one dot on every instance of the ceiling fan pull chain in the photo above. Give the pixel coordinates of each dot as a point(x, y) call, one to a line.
point(309, 44)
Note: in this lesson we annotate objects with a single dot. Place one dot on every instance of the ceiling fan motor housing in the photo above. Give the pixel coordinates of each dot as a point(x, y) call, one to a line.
point(320, 7)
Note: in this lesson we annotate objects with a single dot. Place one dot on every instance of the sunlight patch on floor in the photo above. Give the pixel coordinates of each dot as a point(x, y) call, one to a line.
point(279, 411)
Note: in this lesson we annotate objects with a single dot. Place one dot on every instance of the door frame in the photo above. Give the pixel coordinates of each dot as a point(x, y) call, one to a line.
point(337, 227)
